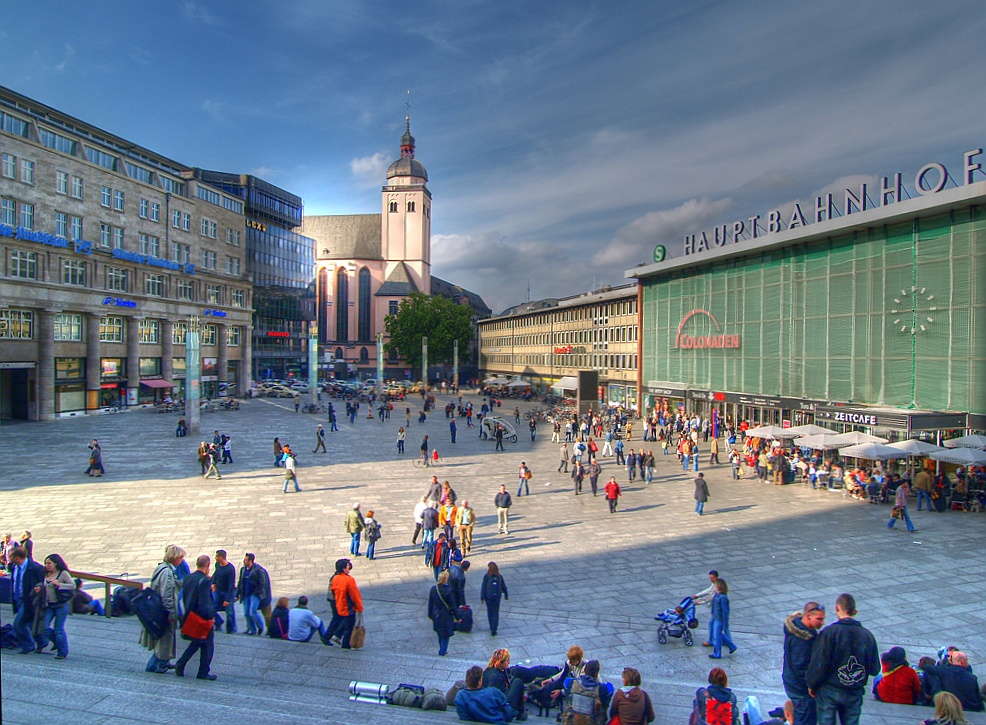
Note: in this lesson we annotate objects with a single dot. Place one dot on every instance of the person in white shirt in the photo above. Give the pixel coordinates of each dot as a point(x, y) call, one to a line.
point(303, 624)
point(704, 597)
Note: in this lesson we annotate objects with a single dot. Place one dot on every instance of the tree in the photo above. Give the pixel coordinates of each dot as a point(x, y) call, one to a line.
point(439, 318)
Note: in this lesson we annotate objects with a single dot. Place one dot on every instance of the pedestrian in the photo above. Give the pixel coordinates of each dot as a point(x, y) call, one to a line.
point(533, 425)
point(278, 453)
point(227, 449)
point(425, 459)
point(320, 439)
point(203, 456)
point(354, 527)
point(844, 657)
point(197, 598)
point(438, 555)
point(441, 612)
point(254, 591)
point(452, 429)
point(563, 463)
point(419, 508)
point(701, 494)
point(224, 592)
point(630, 704)
point(720, 621)
point(372, 528)
point(503, 502)
point(523, 476)
point(346, 602)
point(182, 430)
point(26, 575)
point(631, 464)
point(900, 507)
point(429, 523)
point(578, 475)
point(165, 583)
point(493, 588)
point(705, 597)
point(297, 403)
point(465, 521)
point(213, 459)
point(592, 471)
point(612, 494)
point(498, 435)
point(95, 459)
point(401, 436)
point(800, 631)
point(290, 473)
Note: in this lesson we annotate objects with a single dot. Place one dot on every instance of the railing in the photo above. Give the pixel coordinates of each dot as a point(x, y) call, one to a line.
point(109, 581)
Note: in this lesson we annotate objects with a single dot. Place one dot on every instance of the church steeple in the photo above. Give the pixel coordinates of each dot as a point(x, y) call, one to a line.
point(407, 140)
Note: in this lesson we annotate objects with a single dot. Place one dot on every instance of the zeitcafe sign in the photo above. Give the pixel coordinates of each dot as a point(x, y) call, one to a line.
point(928, 181)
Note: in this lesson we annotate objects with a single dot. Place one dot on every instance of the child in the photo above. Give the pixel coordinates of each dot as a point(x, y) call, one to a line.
point(371, 529)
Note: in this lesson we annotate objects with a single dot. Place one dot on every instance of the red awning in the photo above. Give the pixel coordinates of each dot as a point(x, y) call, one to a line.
point(156, 384)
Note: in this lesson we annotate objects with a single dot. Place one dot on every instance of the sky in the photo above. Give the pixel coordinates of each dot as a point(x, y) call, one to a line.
point(563, 140)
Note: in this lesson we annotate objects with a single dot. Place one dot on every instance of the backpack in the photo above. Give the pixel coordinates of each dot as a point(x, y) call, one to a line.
point(493, 588)
point(372, 531)
point(710, 711)
point(583, 706)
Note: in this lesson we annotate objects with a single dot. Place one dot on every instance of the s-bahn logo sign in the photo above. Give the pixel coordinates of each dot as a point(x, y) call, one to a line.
point(684, 341)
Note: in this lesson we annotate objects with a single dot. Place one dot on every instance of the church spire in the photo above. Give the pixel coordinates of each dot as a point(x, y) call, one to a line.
point(407, 140)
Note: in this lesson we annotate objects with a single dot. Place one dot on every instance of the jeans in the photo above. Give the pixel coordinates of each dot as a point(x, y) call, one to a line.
point(907, 520)
point(354, 544)
point(685, 460)
point(311, 633)
point(695, 461)
point(493, 614)
point(428, 537)
point(206, 647)
point(735, 472)
point(255, 620)
point(720, 637)
point(56, 634)
point(229, 610)
point(522, 486)
point(22, 629)
point(371, 549)
point(804, 707)
point(341, 626)
point(831, 701)
point(443, 645)
point(155, 664)
point(650, 474)
point(923, 497)
point(699, 507)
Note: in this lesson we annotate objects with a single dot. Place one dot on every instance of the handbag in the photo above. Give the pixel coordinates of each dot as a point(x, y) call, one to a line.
point(195, 627)
point(358, 638)
point(63, 596)
point(895, 512)
point(149, 608)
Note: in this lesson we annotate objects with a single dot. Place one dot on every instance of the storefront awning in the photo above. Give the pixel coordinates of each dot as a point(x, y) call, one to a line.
point(567, 383)
point(156, 384)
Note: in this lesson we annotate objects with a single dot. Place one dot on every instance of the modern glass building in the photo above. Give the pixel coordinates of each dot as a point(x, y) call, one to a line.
point(281, 263)
point(874, 315)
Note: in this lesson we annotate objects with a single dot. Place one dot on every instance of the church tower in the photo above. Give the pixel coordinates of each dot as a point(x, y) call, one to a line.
point(407, 217)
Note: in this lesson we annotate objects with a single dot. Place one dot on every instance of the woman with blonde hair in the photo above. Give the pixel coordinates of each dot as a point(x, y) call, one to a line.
point(948, 711)
point(441, 612)
point(497, 674)
point(165, 583)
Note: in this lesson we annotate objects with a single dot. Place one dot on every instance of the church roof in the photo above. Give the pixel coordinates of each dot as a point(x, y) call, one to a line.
point(456, 293)
point(398, 284)
point(407, 166)
point(346, 236)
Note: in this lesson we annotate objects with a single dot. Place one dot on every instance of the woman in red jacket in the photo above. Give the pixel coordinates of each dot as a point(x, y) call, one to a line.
point(899, 683)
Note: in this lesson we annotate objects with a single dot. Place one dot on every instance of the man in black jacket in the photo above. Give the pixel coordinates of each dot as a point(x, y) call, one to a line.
point(955, 676)
point(25, 575)
point(844, 657)
point(800, 632)
point(224, 592)
point(196, 596)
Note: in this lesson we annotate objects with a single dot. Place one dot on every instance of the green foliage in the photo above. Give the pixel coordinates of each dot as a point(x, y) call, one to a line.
point(440, 319)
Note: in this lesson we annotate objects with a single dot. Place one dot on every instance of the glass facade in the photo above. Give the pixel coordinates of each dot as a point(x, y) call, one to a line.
point(890, 315)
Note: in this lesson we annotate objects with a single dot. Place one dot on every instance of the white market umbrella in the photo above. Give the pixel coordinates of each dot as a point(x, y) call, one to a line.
point(961, 457)
point(821, 442)
point(518, 384)
point(915, 448)
point(972, 441)
point(807, 430)
point(492, 381)
point(872, 452)
point(767, 432)
point(854, 438)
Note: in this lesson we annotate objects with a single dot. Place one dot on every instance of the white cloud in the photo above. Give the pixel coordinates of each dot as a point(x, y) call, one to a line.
point(369, 171)
point(266, 172)
point(69, 53)
point(199, 14)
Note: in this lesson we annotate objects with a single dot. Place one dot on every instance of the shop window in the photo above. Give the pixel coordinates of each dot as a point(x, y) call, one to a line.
point(16, 325)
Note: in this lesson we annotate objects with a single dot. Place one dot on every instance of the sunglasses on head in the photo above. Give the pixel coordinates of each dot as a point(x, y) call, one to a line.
point(817, 608)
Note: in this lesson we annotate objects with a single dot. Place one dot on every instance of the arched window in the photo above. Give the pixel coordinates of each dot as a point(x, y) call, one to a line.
point(363, 320)
point(364, 356)
point(342, 305)
point(410, 206)
point(393, 207)
point(340, 355)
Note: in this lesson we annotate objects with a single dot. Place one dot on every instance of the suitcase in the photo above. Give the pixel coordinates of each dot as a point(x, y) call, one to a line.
point(463, 619)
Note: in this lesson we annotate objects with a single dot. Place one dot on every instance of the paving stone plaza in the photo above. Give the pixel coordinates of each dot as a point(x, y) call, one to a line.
point(576, 573)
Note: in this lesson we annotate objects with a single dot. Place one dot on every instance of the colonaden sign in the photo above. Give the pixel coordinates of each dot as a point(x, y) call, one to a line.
point(929, 180)
point(80, 246)
point(698, 342)
point(153, 261)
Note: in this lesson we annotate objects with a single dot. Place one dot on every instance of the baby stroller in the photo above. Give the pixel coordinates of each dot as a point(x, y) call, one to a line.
point(677, 622)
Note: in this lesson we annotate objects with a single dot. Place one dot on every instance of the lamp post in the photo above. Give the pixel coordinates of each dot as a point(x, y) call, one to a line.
point(313, 362)
point(424, 362)
point(455, 363)
point(379, 363)
point(193, 373)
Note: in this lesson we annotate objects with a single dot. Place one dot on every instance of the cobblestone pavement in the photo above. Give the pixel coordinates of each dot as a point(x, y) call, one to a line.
point(575, 572)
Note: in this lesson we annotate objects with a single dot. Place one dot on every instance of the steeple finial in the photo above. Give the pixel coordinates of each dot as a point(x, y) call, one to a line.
point(407, 140)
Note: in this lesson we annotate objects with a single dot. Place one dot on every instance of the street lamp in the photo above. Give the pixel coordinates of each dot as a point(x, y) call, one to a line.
point(313, 362)
point(193, 373)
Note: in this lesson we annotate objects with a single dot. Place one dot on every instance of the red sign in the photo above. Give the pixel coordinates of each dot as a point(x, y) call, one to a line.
point(564, 350)
point(275, 333)
point(699, 342)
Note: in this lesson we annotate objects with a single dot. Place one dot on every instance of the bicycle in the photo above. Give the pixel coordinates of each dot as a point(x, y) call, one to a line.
point(424, 461)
